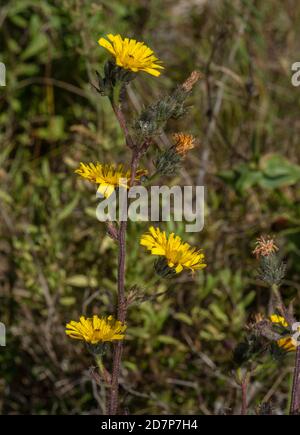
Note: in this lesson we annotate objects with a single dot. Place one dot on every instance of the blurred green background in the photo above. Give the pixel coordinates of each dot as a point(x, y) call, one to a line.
point(56, 260)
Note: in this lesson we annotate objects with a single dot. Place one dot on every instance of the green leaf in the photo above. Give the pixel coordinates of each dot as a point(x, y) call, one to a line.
point(247, 179)
point(4, 196)
point(166, 339)
point(218, 313)
point(66, 211)
point(26, 69)
point(183, 317)
point(81, 281)
point(67, 300)
point(274, 171)
point(248, 298)
point(278, 171)
point(229, 176)
point(38, 44)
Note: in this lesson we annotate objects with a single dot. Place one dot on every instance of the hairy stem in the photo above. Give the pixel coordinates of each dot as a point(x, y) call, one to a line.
point(295, 401)
point(122, 121)
point(122, 303)
point(114, 393)
point(244, 387)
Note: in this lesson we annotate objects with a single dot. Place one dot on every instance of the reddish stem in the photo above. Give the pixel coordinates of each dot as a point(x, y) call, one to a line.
point(295, 401)
point(122, 303)
point(244, 395)
point(122, 121)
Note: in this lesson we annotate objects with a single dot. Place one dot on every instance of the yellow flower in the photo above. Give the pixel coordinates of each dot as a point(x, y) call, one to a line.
point(183, 143)
point(178, 254)
point(96, 330)
point(286, 343)
point(107, 176)
point(132, 55)
point(279, 320)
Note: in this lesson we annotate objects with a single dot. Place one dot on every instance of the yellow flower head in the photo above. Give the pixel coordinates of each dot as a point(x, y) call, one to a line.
point(279, 320)
point(286, 343)
point(107, 176)
point(178, 254)
point(132, 55)
point(183, 143)
point(96, 330)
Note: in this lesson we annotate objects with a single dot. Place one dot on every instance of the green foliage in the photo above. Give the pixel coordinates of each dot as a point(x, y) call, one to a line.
point(273, 171)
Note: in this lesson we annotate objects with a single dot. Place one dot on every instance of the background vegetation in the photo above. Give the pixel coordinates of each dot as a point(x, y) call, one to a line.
point(56, 260)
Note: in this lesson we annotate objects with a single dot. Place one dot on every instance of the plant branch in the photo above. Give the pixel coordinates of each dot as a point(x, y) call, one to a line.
point(114, 393)
point(295, 399)
point(295, 402)
point(122, 121)
point(122, 302)
point(244, 386)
